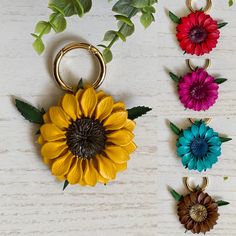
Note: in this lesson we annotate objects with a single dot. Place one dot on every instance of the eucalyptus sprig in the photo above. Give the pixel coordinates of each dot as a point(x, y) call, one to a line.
point(126, 10)
point(61, 9)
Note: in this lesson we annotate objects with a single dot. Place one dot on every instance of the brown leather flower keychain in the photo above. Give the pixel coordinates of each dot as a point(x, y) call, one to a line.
point(197, 211)
point(87, 137)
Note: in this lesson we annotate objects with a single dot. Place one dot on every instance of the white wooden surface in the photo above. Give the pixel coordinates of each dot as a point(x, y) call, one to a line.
point(138, 202)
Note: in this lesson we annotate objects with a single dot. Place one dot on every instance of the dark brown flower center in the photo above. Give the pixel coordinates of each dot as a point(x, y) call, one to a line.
point(198, 34)
point(86, 138)
point(198, 213)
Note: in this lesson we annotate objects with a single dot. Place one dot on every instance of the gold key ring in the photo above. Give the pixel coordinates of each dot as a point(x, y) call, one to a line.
point(193, 68)
point(204, 185)
point(206, 9)
point(56, 70)
point(206, 120)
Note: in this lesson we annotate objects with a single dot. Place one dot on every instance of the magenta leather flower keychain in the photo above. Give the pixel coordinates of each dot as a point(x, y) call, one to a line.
point(198, 32)
point(198, 90)
point(198, 211)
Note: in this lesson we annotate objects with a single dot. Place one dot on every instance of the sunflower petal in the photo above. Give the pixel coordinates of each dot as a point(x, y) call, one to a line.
point(121, 167)
point(47, 161)
point(100, 95)
point(119, 106)
point(59, 117)
point(88, 102)
point(100, 178)
point(116, 120)
point(120, 137)
point(40, 140)
point(130, 148)
point(70, 105)
point(76, 172)
point(46, 117)
point(106, 167)
point(62, 164)
point(78, 97)
point(90, 173)
point(61, 178)
point(104, 108)
point(51, 132)
point(117, 154)
point(52, 150)
point(130, 125)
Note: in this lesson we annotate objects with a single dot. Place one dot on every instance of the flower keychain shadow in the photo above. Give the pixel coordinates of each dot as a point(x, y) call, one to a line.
point(88, 137)
point(197, 33)
point(198, 146)
point(197, 90)
point(197, 211)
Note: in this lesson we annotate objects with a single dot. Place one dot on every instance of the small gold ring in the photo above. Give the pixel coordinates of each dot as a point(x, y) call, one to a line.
point(203, 187)
point(206, 120)
point(56, 71)
point(206, 9)
point(193, 68)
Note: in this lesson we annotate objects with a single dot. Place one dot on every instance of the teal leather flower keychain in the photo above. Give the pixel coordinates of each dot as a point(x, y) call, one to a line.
point(198, 146)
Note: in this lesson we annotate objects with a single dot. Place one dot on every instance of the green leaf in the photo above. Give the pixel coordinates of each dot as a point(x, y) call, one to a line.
point(222, 203)
point(231, 2)
point(124, 19)
point(79, 7)
point(29, 112)
point(109, 35)
point(140, 3)
point(221, 25)
point(223, 139)
point(58, 22)
point(174, 18)
point(176, 195)
point(126, 29)
point(146, 19)
point(226, 178)
point(107, 54)
point(149, 9)
point(66, 183)
point(42, 27)
point(121, 36)
point(175, 129)
point(136, 112)
point(220, 80)
point(80, 85)
point(174, 77)
point(87, 5)
point(123, 7)
point(38, 46)
point(65, 6)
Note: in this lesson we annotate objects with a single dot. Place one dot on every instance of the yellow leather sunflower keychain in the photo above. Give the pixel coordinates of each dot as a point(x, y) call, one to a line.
point(88, 137)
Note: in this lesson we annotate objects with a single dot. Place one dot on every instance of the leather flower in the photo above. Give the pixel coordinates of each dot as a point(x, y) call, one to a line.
point(87, 138)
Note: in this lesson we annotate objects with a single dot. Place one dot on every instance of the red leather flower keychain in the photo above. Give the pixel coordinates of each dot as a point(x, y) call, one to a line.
point(198, 32)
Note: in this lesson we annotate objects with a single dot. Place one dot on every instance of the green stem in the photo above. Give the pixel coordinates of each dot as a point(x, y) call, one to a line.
point(121, 28)
point(52, 20)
